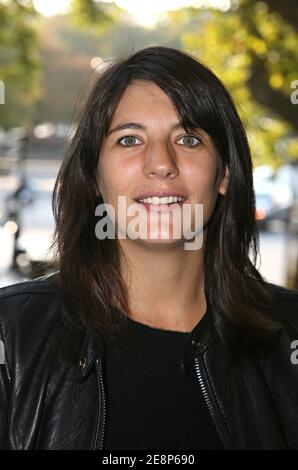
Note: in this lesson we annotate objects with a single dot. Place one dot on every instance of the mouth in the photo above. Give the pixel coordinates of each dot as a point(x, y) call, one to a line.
point(161, 204)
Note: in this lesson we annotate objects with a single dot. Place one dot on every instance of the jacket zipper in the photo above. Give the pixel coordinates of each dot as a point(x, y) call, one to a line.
point(219, 423)
point(101, 417)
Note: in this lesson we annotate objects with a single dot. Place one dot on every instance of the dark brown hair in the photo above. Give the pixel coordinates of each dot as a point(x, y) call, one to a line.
point(89, 269)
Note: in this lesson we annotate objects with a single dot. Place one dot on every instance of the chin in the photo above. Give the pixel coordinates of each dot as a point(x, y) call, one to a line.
point(160, 242)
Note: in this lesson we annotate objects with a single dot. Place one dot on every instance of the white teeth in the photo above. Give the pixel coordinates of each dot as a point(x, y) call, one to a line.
point(161, 200)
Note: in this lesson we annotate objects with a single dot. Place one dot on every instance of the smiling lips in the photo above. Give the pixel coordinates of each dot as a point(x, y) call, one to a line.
point(160, 204)
point(161, 200)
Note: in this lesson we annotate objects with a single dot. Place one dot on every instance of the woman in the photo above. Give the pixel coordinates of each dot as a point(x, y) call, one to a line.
point(137, 342)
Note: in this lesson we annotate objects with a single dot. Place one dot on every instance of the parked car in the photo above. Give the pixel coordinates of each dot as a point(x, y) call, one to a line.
point(275, 194)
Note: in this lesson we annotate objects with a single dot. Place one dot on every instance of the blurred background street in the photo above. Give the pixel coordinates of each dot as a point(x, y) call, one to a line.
point(50, 55)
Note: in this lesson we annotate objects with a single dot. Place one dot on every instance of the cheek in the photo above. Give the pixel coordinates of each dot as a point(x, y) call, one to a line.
point(202, 183)
point(116, 177)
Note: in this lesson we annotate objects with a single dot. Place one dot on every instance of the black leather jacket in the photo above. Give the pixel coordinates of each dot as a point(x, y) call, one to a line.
point(47, 405)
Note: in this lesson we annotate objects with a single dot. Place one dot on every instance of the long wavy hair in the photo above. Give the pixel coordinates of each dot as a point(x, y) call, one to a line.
point(88, 269)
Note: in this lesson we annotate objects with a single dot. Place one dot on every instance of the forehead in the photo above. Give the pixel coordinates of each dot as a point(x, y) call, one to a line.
point(144, 98)
point(145, 103)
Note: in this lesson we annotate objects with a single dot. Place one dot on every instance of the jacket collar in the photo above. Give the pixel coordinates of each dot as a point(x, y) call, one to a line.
point(198, 341)
point(93, 347)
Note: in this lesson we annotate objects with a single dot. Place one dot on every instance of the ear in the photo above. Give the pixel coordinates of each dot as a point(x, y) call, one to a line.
point(224, 182)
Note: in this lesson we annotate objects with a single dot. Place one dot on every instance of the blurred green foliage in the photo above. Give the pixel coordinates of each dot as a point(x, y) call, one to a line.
point(94, 14)
point(253, 49)
point(19, 63)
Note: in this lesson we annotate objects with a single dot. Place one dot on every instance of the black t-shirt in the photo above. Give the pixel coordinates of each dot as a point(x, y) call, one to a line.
point(151, 404)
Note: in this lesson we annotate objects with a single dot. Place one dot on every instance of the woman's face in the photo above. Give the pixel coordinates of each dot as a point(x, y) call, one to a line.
point(146, 153)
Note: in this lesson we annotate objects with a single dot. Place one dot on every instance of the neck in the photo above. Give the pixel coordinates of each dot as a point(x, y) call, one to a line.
point(165, 285)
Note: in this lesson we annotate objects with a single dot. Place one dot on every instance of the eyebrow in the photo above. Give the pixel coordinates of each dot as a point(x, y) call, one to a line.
point(137, 125)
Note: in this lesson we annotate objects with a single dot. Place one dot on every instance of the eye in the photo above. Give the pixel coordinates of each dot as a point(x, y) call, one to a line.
point(129, 139)
point(188, 140)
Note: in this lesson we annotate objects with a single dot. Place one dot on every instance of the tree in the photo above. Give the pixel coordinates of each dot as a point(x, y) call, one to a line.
point(287, 9)
point(20, 53)
point(253, 48)
point(97, 15)
point(18, 61)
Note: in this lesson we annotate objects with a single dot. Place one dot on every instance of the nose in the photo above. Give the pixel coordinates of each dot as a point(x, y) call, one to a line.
point(160, 161)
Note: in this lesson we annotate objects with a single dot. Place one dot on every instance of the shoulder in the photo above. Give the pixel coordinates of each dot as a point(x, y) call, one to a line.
point(41, 284)
point(28, 297)
point(28, 313)
point(283, 294)
point(286, 302)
